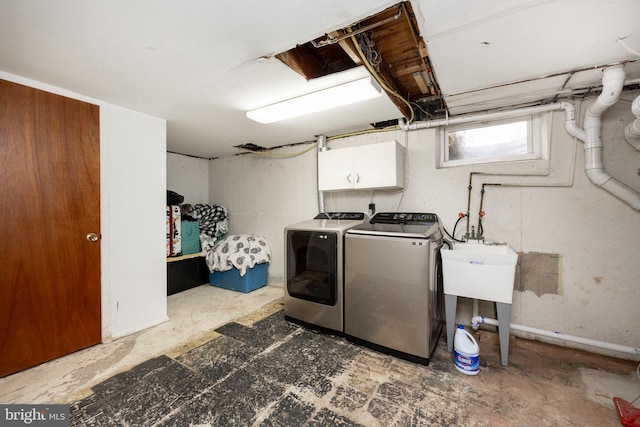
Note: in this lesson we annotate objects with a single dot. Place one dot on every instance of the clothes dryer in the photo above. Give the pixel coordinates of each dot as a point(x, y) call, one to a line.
point(314, 270)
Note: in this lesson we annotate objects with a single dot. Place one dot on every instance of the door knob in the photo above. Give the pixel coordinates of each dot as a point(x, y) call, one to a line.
point(92, 237)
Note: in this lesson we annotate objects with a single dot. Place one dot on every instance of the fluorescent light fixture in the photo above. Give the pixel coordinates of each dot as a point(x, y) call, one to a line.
point(336, 96)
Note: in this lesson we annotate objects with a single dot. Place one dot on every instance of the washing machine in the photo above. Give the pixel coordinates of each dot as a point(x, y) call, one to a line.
point(314, 270)
point(393, 290)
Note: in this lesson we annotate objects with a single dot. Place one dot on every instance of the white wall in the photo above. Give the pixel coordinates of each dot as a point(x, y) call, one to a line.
point(264, 194)
point(132, 215)
point(188, 176)
point(595, 234)
point(136, 167)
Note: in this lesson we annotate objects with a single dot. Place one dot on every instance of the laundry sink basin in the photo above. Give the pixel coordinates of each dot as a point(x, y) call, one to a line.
point(481, 271)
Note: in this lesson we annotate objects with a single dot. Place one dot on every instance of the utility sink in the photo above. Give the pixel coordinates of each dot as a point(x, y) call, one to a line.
point(480, 271)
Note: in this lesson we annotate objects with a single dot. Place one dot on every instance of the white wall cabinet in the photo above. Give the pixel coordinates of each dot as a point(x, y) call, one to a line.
point(375, 166)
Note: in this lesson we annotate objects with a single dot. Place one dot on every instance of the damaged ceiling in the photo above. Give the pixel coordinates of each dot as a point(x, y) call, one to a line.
point(203, 66)
point(390, 43)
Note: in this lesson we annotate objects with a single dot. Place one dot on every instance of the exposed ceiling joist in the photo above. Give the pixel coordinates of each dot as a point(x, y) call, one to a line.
point(388, 41)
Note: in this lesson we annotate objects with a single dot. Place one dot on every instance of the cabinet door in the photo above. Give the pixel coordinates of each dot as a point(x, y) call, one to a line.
point(379, 166)
point(335, 169)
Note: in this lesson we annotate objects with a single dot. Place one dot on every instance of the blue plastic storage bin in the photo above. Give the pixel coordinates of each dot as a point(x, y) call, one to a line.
point(255, 278)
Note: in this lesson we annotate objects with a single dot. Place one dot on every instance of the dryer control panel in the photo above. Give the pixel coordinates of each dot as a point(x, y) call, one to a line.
point(347, 216)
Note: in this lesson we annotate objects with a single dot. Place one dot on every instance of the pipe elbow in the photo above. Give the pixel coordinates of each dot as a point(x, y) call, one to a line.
point(403, 125)
point(570, 124)
point(597, 176)
point(624, 193)
point(475, 322)
point(573, 130)
point(612, 84)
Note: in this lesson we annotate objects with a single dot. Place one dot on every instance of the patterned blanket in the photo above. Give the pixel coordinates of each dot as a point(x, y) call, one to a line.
point(242, 251)
point(212, 220)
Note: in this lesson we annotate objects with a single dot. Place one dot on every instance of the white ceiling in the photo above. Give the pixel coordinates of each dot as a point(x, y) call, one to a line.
point(201, 64)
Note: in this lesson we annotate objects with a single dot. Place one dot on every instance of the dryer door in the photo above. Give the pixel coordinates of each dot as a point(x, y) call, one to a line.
point(312, 266)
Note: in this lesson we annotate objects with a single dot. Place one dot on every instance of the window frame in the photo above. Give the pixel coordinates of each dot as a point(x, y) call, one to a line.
point(537, 141)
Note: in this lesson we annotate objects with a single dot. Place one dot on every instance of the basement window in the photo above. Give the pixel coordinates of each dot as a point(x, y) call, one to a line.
point(509, 140)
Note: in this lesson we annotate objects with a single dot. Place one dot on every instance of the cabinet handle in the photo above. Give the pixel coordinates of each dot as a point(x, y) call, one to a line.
point(357, 178)
point(349, 178)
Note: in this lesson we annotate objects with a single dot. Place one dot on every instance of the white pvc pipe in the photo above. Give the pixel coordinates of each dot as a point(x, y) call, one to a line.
point(632, 131)
point(469, 118)
point(322, 146)
point(475, 322)
point(475, 307)
point(612, 84)
point(570, 122)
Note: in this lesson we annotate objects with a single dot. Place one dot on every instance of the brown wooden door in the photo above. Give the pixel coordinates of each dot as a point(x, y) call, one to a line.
point(49, 202)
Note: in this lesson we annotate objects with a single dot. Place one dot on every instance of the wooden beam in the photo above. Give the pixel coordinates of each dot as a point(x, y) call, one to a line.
point(406, 70)
point(417, 76)
point(348, 48)
point(422, 48)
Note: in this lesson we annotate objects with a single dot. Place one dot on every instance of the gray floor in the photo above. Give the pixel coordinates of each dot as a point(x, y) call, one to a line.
point(274, 373)
point(251, 367)
point(193, 317)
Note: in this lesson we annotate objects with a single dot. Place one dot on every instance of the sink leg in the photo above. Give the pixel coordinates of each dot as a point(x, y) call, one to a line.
point(450, 303)
point(504, 323)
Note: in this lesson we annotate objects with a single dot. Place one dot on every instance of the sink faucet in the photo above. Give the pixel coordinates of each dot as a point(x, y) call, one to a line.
point(477, 238)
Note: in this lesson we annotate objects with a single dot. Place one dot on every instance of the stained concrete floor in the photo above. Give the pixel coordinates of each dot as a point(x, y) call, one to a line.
point(257, 369)
point(193, 317)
